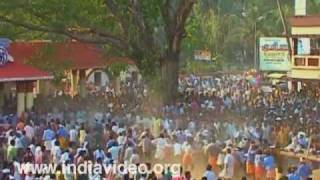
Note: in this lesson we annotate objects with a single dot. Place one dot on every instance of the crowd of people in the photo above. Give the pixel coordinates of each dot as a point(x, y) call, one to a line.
point(224, 122)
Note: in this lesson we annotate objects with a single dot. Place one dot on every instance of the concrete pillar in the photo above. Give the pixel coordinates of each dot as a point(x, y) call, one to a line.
point(29, 95)
point(42, 87)
point(82, 83)
point(118, 85)
point(74, 82)
point(299, 84)
point(1, 96)
point(21, 95)
point(290, 85)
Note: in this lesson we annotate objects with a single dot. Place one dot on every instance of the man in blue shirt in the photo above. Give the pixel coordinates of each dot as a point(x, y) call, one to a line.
point(302, 141)
point(209, 174)
point(48, 136)
point(269, 164)
point(292, 175)
point(62, 132)
point(304, 170)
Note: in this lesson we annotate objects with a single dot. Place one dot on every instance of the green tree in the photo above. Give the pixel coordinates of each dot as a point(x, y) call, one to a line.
point(56, 68)
point(116, 68)
point(149, 31)
point(231, 28)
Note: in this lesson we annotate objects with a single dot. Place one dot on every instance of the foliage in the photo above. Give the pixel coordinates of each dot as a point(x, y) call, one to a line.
point(227, 28)
point(116, 68)
point(313, 6)
point(145, 30)
point(46, 60)
point(200, 67)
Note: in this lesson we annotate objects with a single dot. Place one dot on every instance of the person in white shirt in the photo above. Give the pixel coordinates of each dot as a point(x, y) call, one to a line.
point(56, 152)
point(48, 136)
point(209, 174)
point(160, 144)
point(19, 144)
point(10, 135)
point(99, 153)
point(135, 158)
point(121, 138)
point(29, 131)
point(29, 176)
point(16, 175)
point(73, 135)
point(177, 151)
point(115, 128)
point(228, 170)
point(114, 150)
point(32, 148)
point(128, 153)
point(65, 157)
point(166, 124)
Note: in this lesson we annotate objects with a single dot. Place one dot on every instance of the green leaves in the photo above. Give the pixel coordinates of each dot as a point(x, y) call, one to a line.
point(116, 68)
point(149, 30)
point(46, 60)
point(227, 28)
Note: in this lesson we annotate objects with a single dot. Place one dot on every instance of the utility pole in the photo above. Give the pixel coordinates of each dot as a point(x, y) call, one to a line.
point(285, 27)
point(255, 45)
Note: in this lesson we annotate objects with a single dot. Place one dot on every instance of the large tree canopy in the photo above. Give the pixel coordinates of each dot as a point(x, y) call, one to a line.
point(149, 31)
point(152, 31)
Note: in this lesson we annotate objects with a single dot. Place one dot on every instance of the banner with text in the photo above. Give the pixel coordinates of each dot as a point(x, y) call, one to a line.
point(202, 55)
point(273, 54)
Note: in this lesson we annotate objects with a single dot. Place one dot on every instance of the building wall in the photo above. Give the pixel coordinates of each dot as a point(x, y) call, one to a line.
point(305, 72)
point(302, 73)
point(305, 30)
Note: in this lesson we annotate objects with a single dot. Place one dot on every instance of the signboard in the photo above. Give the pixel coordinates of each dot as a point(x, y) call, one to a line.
point(202, 55)
point(4, 55)
point(274, 54)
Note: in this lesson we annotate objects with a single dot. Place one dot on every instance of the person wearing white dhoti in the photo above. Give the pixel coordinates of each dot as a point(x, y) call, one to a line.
point(228, 170)
point(160, 144)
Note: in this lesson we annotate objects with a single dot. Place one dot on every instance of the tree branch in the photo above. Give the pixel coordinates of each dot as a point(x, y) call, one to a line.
point(183, 13)
point(176, 23)
point(285, 28)
point(111, 5)
point(166, 16)
point(85, 34)
point(146, 37)
point(137, 14)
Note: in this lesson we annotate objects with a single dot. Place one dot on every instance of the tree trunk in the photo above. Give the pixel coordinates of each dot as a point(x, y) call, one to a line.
point(169, 77)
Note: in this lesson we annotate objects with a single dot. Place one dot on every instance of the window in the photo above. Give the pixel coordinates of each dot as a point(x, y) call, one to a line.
point(315, 47)
point(295, 46)
point(301, 46)
point(299, 61)
point(313, 62)
point(97, 78)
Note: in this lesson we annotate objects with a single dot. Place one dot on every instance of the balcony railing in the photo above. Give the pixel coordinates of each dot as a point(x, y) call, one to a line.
point(311, 62)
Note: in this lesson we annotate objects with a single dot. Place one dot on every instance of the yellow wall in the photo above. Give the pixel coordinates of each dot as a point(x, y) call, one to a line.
point(298, 73)
point(304, 72)
point(305, 30)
